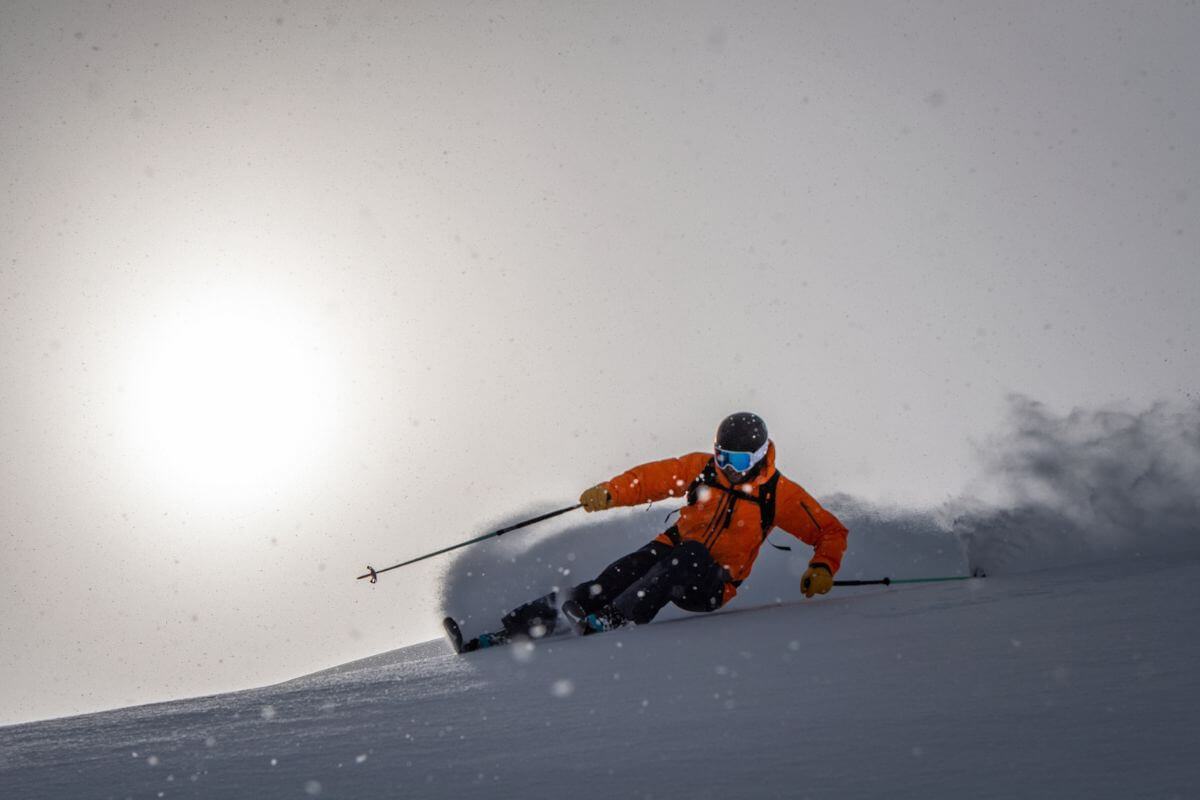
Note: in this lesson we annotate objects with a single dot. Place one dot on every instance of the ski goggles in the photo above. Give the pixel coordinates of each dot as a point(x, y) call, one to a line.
point(740, 460)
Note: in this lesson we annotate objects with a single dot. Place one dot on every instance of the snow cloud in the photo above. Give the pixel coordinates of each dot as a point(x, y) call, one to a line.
point(1087, 485)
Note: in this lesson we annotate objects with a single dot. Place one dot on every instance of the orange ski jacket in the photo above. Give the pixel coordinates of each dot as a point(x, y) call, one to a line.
point(732, 535)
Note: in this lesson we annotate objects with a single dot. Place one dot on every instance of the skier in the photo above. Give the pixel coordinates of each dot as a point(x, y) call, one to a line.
point(735, 497)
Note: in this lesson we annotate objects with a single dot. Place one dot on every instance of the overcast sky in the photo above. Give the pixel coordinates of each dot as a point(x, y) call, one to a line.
point(290, 288)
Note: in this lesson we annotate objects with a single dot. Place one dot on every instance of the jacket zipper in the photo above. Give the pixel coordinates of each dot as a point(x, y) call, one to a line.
point(722, 519)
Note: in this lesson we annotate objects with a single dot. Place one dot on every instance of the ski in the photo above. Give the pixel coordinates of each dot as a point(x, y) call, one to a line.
point(578, 624)
point(481, 642)
point(453, 633)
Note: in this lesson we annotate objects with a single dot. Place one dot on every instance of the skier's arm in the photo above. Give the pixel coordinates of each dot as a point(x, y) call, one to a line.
point(798, 513)
point(657, 480)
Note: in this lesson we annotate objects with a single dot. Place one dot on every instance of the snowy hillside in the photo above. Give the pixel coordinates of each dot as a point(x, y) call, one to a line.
point(1069, 672)
point(1074, 682)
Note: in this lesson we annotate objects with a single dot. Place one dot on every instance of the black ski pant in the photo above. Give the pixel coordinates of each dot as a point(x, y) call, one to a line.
point(641, 583)
point(637, 585)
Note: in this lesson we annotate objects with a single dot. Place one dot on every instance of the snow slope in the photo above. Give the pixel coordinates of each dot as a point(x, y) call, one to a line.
point(1070, 672)
point(1074, 682)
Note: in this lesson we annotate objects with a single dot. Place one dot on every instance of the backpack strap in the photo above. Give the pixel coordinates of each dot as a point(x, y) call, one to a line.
point(707, 477)
point(765, 498)
point(766, 502)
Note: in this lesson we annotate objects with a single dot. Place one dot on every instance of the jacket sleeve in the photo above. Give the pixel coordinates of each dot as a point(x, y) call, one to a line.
point(657, 480)
point(799, 514)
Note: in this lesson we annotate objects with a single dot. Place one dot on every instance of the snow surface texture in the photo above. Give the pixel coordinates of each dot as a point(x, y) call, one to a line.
point(1069, 672)
point(1078, 682)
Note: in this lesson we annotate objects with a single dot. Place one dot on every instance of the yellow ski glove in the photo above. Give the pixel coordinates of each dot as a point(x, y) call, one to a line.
point(596, 498)
point(817, 580)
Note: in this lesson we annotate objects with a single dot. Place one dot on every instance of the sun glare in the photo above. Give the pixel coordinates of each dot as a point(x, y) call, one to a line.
point(230, 398)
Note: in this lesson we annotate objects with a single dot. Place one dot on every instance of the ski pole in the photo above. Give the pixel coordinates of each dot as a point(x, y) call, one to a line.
point(374, 574)
point(890, 581)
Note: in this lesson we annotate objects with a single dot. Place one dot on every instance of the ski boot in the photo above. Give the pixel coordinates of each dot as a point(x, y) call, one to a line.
point(606, 619)
point(585, 624)
point(577, 616)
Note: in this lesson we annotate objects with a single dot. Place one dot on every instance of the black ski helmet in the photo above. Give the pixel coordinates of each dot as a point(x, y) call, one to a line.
point(742, 431)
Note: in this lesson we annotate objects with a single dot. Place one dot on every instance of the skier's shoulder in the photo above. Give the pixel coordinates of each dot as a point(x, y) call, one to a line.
point(790, 491)
point(797, 507)
point(685, 462)
point(694, 463)
point(682, 468)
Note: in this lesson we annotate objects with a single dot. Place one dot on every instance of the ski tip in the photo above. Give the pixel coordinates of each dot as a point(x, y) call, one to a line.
point(453, 633)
